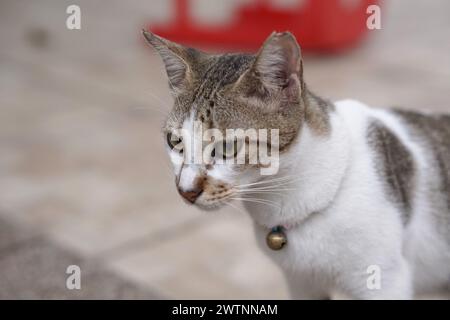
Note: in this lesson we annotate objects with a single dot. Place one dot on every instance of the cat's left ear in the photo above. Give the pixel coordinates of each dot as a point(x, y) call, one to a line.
point(179, 61)
point(277, 68)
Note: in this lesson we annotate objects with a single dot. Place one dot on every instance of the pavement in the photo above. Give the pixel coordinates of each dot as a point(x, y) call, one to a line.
point(84, 178)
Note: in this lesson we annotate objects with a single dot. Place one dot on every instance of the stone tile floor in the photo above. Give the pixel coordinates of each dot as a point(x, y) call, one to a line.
point(33, 267)
point(82, 166)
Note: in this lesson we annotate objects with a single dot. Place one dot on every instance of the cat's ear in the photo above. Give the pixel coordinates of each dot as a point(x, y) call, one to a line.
point(178, 60)
point(277, 68)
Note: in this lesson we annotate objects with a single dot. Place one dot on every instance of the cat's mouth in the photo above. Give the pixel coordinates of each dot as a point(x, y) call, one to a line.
point(214, 200)
point(209, 194)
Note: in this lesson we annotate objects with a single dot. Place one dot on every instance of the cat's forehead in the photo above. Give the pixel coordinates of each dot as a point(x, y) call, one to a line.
point(217, 73)
point(199, 101)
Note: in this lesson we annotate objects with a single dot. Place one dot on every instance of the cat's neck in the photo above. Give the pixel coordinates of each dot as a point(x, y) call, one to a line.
point(315, 163)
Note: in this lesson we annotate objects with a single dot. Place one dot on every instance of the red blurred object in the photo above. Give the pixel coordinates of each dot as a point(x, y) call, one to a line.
point(320, 25)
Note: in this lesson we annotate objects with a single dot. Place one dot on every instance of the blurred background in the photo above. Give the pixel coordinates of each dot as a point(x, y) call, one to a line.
point(84, 178)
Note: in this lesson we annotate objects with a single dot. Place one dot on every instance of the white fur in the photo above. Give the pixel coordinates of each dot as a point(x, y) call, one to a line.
point(342, 222)
point(185, 171)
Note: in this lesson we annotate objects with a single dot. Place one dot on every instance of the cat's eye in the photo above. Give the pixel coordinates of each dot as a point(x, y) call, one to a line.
point(175, 142)
point(226, 149)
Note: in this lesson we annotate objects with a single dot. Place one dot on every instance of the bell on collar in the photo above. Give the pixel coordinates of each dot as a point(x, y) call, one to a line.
point(276, 239)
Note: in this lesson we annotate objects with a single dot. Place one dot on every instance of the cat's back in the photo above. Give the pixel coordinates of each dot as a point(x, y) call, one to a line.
point(432, 131)
point(429, 229)
point(409, 154)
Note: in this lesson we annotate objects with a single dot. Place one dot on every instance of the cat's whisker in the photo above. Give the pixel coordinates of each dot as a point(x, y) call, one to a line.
point(280, 183)
point(152, 108)
point(257, 200)
point(159, 99)
point(259, 191)
point(235, 207)
point(286, 179)
point(276, 187)
point(261, 199)
point(279, 191)
point(162, 106)
point(264, 187)
point(261, 203)
point(269, 180)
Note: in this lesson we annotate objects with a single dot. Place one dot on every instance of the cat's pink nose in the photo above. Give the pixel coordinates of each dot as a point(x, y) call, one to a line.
point(190, 195)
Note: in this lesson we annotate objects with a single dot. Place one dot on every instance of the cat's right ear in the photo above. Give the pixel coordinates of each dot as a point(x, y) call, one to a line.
point(178, 60)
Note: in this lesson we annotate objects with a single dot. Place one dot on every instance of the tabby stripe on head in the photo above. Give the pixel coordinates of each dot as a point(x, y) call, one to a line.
point(225, 70)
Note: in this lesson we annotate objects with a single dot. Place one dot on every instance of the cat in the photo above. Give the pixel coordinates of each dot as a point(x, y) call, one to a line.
point(360, 193)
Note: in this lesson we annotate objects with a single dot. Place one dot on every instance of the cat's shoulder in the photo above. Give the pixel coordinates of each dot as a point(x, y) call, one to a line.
point(357, 112)
point(354, 112)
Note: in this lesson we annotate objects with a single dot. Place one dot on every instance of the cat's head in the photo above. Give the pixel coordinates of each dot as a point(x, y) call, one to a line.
point(216, 94)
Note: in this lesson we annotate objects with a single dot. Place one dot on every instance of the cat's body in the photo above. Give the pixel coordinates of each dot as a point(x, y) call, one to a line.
point(344, 213)
point(360, 192)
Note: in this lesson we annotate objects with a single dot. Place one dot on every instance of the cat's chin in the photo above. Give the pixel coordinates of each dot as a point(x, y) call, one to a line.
point(209, 206)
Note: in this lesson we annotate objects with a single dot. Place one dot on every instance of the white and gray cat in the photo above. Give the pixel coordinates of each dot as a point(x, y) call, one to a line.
point(357, 187)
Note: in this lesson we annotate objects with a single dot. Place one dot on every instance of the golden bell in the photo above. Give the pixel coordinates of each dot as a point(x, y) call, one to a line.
point(276, 239)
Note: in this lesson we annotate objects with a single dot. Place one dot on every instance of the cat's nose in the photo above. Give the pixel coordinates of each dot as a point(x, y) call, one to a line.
point(190, 195)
